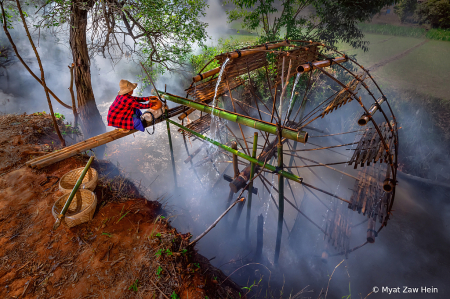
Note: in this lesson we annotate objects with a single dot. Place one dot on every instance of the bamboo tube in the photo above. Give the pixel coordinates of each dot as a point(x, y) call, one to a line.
point(286, 174)
point(235, 160)
point(304, 68)
point(72, 194)
point(371, 233)
point(364, 119)
point(186, 114)
point(171, 152)
point(250, 187)
point(388, 183)
point(280, 203)
point(288, 133)
point(259, 237)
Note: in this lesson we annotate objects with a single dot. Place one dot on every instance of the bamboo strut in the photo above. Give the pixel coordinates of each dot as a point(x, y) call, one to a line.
point(326, 147)
point(275, 203)
point(321, 164)
point(289, 202)
point(300, 136)
point(239, 199)
point(250, 193)
point(286, 174)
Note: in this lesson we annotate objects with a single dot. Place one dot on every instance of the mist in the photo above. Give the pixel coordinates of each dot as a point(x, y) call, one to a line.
point(412, 250)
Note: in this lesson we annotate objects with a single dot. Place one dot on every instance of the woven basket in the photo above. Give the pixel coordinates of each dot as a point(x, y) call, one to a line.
point(69, 180)
point(73, 217)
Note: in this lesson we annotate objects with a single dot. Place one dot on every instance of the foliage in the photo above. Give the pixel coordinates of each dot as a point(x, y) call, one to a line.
point(198, 61)
point(439, 34)
point(434, 12)
point(159, 271)
point(405, 9)
point(174, 296)
point(329, 21)
point(134, 286)
point(159, 32)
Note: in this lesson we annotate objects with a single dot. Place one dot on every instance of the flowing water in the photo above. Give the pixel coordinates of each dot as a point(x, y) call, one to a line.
point(292, 94)
point(214, 127)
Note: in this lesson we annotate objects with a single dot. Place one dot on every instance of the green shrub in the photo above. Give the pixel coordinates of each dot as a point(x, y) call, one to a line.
point(439, 34)
point(434, 12)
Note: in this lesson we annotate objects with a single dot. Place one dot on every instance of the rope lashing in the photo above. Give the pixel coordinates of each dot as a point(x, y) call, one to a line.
point(374, 232)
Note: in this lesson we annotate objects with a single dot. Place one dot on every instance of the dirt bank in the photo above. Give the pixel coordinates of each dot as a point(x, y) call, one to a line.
point(128, 250)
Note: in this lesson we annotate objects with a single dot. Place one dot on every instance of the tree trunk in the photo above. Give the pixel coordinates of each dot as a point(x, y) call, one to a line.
point(91, 121)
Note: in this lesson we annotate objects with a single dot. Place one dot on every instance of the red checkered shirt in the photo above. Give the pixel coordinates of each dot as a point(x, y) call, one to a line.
point(120, 114)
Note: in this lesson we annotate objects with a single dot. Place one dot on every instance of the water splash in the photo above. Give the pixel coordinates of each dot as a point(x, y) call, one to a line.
point(213, 129)
point(269, 200)
point(292, 93)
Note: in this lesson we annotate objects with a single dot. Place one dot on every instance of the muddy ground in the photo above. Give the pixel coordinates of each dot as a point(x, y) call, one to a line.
point(128, 250)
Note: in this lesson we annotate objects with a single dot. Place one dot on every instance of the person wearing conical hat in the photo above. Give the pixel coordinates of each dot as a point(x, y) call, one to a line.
point(124, 112)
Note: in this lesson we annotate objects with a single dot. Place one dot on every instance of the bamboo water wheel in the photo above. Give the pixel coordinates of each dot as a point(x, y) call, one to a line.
point(316, 91)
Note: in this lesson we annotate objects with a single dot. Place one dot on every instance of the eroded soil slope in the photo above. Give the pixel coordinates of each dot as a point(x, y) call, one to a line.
point(128, 250)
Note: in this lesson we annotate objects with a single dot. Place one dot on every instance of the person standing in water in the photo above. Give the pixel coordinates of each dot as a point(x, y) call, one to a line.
point(125, 113)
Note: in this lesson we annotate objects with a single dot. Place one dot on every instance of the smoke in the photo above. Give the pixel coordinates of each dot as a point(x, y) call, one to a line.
point(411, 250)
point(217, 20)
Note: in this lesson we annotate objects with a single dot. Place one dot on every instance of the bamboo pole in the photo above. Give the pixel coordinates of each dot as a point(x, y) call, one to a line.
point(304, 68)
point(191, 156)
point(250, 187)
point(286, 174)
point(241, 199)
point(84, 145)
point(171, 151)
point(288, 133)
point(280, 202)
point(72, 194)
point(235, 160)
point(75, 149)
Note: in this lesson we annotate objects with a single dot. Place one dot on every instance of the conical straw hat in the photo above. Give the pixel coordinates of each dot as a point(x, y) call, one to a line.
point(126, 86)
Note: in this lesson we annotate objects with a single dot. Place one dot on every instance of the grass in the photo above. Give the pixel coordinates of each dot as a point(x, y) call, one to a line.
point(425, 69)
point(380, 48)
point(393, 30)
point(388, 29)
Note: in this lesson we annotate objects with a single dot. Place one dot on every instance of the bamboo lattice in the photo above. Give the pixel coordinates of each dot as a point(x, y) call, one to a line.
point(368, 195)
point(370, 147)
